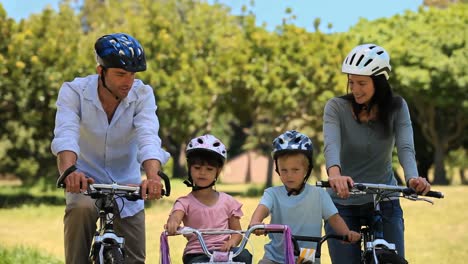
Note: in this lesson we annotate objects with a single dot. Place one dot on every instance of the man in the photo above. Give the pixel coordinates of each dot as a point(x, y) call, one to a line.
point(106, 125)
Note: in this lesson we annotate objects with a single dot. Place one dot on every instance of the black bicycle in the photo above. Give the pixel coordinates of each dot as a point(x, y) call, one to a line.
point(108, 246)
point(374, 248)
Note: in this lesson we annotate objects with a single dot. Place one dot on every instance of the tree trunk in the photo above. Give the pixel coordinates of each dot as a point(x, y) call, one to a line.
point(269, 180)
point(464, 180)
point(179, 165)
point(248, 176)
point(439, 168)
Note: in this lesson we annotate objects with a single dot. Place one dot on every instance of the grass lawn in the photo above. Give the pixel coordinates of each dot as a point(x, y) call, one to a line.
point(434, 233)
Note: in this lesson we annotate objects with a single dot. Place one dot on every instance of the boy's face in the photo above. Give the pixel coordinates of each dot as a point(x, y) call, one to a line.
point(292, 170)
point(203, 175)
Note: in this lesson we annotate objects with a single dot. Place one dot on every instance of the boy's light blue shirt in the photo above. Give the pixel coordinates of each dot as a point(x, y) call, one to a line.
point(108, 152)
point(303, 213)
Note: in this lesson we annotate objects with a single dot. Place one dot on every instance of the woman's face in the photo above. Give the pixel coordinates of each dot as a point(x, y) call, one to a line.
point(362, 88)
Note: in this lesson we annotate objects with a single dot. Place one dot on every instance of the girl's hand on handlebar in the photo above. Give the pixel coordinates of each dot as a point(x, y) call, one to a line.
point(171, 227)
point(341, 185)
point(227, 245)
point(420, 184)
point(77, 182)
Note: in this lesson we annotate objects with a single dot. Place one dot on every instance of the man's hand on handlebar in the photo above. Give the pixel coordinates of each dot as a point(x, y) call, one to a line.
point(151, 189)
point(77, 182)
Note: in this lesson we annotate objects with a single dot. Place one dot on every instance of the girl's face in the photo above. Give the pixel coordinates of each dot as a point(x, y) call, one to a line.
point(203, 175)
point(362, 88)
point(292, 170)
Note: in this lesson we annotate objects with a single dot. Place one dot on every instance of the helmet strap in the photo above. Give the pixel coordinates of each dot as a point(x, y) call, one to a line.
point(189, 183)
point(306, 178)
point(103, 79)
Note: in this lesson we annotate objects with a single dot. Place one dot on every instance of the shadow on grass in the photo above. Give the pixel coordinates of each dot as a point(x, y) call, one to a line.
point(20, 199)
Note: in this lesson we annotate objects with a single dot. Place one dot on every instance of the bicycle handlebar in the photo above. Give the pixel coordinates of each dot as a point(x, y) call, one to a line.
point(271, 228)
point(130, 192)
point(406, 191)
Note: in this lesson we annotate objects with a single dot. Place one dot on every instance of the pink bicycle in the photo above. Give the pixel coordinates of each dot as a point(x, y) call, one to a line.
point(217, 257)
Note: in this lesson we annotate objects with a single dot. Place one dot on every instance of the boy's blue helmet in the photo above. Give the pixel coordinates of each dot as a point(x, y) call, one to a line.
point(292, 140)
point(120, 50)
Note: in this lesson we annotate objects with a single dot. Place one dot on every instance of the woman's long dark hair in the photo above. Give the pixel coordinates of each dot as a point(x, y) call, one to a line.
point(385, 100)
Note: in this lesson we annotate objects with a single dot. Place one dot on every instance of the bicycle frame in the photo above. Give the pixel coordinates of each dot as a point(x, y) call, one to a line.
point(217, 257)
point(372, 233)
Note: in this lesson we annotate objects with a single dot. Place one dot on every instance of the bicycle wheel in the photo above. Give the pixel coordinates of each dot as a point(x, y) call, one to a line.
point(111, 255)
point(385, 256)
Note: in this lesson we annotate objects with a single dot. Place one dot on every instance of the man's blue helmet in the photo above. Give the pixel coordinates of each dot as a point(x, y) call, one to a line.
point(120, 50)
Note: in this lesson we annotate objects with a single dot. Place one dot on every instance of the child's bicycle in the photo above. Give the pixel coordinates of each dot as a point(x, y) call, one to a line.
point(291, 247)
point(374, 248)
point(108, 246)
point(217, 257)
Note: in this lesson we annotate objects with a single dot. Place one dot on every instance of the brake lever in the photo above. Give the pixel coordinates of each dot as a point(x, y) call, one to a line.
point(415, 197)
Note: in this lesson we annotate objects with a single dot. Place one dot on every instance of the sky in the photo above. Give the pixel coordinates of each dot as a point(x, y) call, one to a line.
point(342, 14)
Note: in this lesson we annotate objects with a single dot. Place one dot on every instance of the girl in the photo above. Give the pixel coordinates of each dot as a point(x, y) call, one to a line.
point(204, 207)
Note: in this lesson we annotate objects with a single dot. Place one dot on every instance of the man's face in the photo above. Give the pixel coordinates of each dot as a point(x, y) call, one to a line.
point(119, 81)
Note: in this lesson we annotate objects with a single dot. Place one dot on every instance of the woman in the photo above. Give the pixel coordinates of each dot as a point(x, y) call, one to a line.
point(361, 130)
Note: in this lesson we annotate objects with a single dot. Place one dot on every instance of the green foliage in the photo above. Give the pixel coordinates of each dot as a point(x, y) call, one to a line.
point(25, 255)
point(217, 73)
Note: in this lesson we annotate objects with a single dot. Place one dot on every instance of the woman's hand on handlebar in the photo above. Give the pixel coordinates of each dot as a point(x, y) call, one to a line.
point(77, 182)
point(151, 189)
point(420, 184)
point(341, 185)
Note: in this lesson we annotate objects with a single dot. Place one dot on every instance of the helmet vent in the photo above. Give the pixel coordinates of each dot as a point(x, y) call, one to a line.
point(352, 58)
point(380, 52)
point(216, 144)
point(368, 62)
point(200, 140)
point(371, 47)
point(360, 59)
point(376, 68)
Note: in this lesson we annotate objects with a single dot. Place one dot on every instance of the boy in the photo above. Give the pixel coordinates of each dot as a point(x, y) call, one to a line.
point(296, 204)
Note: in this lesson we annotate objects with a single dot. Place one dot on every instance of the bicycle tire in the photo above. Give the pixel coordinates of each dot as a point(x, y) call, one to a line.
point(112, 255)
point(385, 256)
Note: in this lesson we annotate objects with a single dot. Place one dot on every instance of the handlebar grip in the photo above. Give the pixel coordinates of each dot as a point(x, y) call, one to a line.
point(167, 183)
point(325, 184)
point(60, 181)
point(435, 194)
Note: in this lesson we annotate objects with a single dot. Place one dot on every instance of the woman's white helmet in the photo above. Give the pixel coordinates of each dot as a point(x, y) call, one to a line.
point(368, 60)
point(207, 143)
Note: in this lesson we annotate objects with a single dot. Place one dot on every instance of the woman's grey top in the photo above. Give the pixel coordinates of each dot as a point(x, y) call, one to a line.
point(362, 150)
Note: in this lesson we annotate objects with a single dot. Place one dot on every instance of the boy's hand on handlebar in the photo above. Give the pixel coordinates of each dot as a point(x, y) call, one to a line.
point(419, 184)
point(353, 236)
point(77, 182)
point(151, 189)
point(257, 232)
point(341, 185)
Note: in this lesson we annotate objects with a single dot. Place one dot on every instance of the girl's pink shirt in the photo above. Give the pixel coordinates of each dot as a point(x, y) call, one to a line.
point(201, 216)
